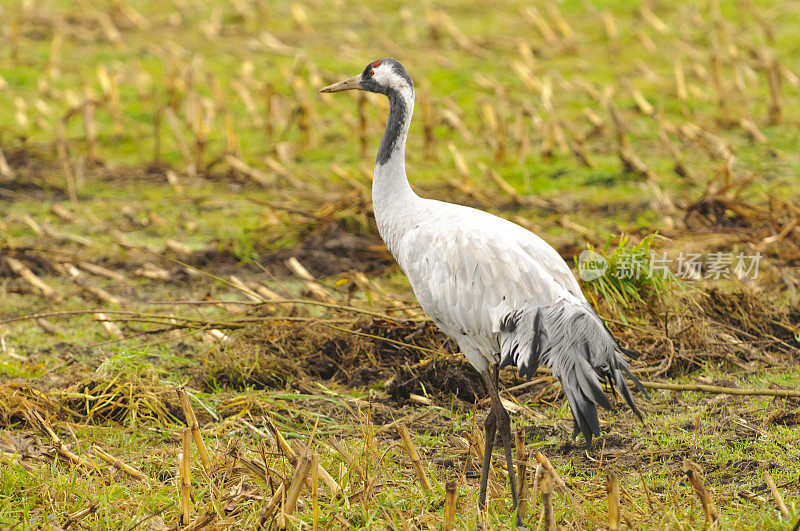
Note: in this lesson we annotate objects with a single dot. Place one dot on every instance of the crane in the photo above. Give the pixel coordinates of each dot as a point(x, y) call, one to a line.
point(501, 292)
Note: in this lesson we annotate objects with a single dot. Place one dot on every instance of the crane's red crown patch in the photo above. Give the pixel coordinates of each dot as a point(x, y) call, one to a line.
point(376, 64)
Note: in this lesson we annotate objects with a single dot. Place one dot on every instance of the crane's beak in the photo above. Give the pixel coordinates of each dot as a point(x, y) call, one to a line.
point(347, 84)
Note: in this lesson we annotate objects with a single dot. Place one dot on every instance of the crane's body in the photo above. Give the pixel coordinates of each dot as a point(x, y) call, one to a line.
point(500, 291)
point(481, 269)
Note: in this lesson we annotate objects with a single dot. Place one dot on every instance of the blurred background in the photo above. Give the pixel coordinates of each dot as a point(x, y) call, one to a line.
point(580, 120)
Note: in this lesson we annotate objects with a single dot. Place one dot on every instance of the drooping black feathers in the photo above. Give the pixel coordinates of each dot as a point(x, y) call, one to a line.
point(574, 343)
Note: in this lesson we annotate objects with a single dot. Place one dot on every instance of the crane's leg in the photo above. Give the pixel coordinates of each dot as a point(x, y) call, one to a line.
point(500, 422)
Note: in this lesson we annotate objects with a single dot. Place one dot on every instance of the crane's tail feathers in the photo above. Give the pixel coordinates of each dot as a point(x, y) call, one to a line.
point(624, 390)
point(634, 354)
point(571, 340)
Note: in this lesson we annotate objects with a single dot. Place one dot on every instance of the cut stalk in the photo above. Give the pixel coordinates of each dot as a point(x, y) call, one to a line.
point(192, 424)
point(775, 494)
point(546, 487)
point(89, 123)
point(298, 480)
point(709, 508)
point(416, 461)
point(185, 469)
point(273, 504)
point(28, 276)
point(118, 463)
point(315, 492)
point(79, 515)
point(450, 506)
point(292, 457)
point(612, 489)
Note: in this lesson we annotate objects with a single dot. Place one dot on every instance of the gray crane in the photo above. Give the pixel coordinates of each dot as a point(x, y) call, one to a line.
point(501, 292)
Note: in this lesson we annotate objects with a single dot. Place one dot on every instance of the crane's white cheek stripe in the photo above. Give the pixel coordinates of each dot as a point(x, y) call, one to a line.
point(387, 77)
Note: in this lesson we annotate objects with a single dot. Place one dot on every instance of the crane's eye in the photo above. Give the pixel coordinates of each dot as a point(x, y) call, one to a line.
point(371, 73)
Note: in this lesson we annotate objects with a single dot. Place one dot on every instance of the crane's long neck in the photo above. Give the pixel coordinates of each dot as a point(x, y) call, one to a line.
point(390, 188)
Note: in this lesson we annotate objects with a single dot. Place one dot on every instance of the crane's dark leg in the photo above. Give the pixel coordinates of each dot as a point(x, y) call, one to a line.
point(490, 428)
point(499, 421)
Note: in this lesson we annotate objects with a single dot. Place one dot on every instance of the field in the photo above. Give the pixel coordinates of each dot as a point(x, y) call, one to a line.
point(201, 328)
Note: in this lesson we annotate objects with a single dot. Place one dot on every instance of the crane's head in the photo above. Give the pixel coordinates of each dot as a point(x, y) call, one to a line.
point(384, 77)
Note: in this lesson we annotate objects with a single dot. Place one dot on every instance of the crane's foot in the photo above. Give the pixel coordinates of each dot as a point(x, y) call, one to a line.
point(519, 527)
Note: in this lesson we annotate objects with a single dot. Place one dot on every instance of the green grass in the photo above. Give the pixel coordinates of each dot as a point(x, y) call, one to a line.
point(729, 447)
point(172, 61)
point(633, 279)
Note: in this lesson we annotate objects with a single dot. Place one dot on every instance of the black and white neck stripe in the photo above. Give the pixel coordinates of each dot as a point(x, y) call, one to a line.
point(399, 108)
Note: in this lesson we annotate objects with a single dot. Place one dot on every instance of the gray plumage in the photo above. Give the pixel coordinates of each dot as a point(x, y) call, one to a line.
point(571, 340)
point(500, 291)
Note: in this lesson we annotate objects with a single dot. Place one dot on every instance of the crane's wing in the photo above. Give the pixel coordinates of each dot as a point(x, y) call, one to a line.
point(469, 268)
point(486, 277)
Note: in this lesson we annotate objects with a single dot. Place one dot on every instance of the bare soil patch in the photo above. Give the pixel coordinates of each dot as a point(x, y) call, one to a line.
point(332, 249)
